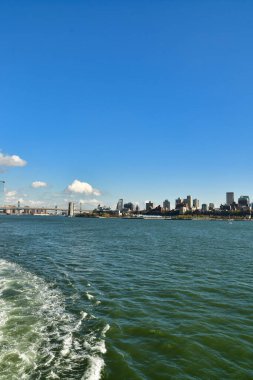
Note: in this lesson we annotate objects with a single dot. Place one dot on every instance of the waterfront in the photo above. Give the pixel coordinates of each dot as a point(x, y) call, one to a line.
point(118, 299)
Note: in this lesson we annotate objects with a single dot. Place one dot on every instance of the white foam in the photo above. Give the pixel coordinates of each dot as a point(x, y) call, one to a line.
point(89, 296)
point(67, 344)
point(39, 307)
point(96, 365)
point(105, 329)
point(53, 375)
point(79, 323)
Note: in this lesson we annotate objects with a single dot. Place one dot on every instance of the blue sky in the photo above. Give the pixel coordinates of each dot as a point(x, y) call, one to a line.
point(141, 100)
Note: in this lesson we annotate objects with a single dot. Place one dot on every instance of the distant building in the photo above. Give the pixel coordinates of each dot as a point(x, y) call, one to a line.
point(189, 201)
point(181, 205)
point(211, 206)
point(129, 206)
point(196, 203)
point(204, 207)
point(178, 201)
point(103, 208)
point(149, 206)
point(244, 201)
point(182, 209)
point(166, 205)
point(18, 210)
point(120, 205)
point(230, 198)
point(71, 209)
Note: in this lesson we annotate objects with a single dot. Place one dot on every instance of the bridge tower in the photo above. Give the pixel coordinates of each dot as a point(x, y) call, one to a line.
point(2, 183)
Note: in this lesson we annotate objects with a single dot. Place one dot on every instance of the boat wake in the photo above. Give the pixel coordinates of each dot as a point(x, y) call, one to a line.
point(38, 338)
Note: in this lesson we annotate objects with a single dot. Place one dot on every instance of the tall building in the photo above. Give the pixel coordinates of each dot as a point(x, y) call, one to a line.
point(204, 207)
point(166, 205)
point(129, 206)
point(230, 198)
point(149, 205)
point(196, 203)
point(71, 209)
point(120, 205)
point(244, 201)
point(189, 201)
point(178, 201)
point(211, 206)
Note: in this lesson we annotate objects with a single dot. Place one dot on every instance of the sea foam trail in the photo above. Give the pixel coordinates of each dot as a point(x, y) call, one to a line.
point(38, 338)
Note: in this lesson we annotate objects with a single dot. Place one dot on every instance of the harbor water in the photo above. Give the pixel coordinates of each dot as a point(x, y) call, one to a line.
point(125, 299)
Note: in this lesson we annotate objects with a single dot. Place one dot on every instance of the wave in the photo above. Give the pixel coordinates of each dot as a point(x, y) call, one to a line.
point(38, 337)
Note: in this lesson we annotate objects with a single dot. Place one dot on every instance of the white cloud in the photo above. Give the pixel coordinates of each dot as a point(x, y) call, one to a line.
point(11, 193)
point(13, 160)
point(11, 196)
point(38, 184)
point(32, 202)
point(82, 188)
point(90, 202)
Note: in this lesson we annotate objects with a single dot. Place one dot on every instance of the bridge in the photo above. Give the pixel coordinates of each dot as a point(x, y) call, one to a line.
point(31, 209)
point(36, 210)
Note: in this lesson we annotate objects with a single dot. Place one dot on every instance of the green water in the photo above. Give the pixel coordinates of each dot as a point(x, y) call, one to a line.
point(125, 299)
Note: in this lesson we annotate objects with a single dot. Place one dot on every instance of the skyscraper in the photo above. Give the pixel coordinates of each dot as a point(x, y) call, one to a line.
point(129, 206)
point(166, 205)
point(178, 201)
point(230, 198)
point(189, 201)
point(149, 206)
point(120, 205)
point(204, 207)
point(196, 203)
point(243, 201)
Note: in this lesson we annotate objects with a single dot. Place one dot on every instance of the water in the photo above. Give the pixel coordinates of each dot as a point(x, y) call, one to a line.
point(125, 299)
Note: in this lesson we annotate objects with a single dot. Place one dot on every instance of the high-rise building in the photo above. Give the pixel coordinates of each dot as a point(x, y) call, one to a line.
point(211, 206)
point(120, 205)
point(178, 201)
point(204, 207)
point(129, 206)
point(244, 201)
point(166, 205)
point(149, 205)
point(230, 198)
point(189, 201)
point(196, 203)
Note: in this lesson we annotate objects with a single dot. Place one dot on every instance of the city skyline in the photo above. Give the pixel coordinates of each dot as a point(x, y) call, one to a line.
point(77, 188)
point(140, 102)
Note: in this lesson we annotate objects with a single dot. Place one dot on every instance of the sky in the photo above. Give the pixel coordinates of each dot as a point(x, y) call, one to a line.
point(101, 100)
